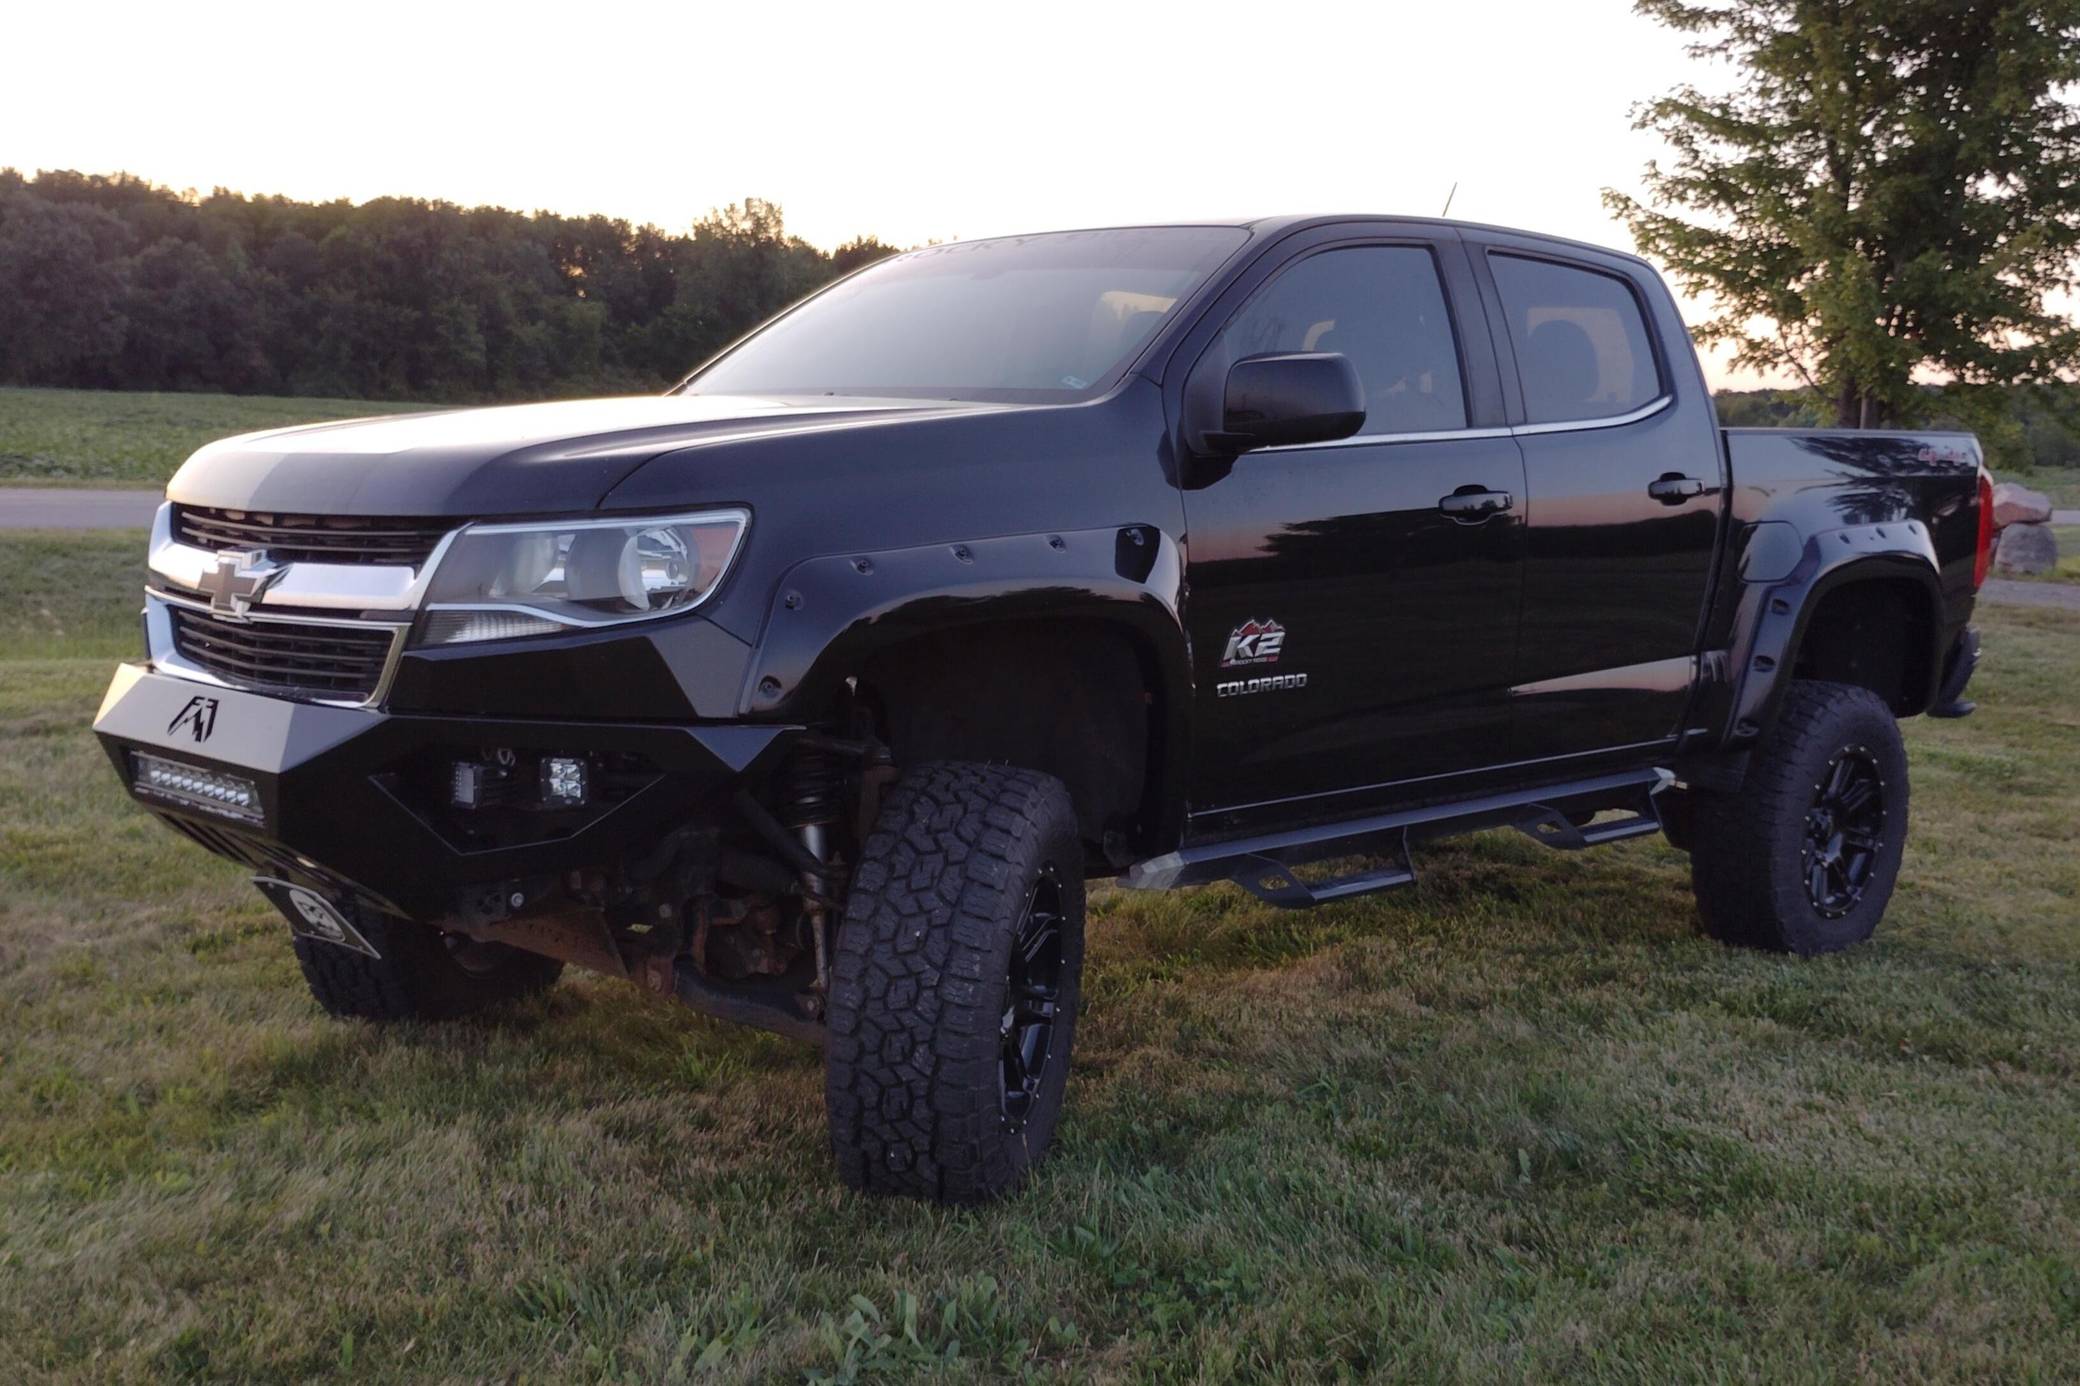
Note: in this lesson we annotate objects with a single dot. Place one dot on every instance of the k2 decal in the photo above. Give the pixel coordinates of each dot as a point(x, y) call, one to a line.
point(199, 717)
point(1254, 642)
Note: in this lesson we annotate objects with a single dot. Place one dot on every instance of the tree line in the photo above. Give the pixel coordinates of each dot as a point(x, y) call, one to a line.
point(110, 282)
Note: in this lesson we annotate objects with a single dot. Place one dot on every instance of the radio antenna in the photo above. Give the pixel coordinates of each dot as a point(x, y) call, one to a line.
point(1448, 199)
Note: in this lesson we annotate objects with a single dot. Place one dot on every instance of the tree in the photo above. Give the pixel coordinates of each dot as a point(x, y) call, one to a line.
point(1892, 190)
point(858, 252)
point(62, 281)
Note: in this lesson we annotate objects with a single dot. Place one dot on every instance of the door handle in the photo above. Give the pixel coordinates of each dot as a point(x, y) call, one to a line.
point(1470, 505)
point(1673, 488)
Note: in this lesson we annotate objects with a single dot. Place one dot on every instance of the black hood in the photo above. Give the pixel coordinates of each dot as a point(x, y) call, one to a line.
point(521, 459)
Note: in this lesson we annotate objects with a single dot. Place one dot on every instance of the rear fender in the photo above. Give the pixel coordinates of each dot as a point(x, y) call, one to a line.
point(1784, 581)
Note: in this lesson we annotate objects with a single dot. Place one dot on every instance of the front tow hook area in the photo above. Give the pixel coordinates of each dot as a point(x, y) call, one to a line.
point(314, 917)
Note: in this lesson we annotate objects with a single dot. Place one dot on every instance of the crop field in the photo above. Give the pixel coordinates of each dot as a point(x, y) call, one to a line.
point(126, 438)
point(1521, 1122)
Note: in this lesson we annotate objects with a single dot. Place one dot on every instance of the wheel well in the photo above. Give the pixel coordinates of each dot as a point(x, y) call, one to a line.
point(1076, 699)
point(1876, 634)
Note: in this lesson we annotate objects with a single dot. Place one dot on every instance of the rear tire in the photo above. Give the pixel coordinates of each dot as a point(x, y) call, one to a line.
point(1804, 857)
point(955, 983)
point(422, 974)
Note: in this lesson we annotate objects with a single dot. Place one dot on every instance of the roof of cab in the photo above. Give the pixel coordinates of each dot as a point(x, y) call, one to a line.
point(1271, 227)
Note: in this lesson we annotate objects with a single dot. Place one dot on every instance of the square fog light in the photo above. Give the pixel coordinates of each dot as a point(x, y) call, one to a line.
point(564, 780)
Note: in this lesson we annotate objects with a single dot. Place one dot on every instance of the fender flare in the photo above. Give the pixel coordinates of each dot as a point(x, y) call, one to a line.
point(830, 613)
point(1784, 581)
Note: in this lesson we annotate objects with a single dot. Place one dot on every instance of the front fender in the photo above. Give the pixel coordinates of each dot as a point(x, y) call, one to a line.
point(829, 614)
point(1783, 581)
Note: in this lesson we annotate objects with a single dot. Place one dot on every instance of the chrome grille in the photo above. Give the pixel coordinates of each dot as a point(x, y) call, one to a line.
point(403, 541)
point(334, 662)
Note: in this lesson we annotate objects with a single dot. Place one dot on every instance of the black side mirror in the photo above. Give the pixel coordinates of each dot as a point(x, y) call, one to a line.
point(1290, 397)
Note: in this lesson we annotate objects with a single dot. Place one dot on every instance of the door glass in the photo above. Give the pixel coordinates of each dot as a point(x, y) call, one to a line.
point(1382, 307)
point(1581, 341)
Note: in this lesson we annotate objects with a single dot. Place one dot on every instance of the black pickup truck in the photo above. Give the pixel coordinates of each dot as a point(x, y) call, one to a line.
point(813, 691)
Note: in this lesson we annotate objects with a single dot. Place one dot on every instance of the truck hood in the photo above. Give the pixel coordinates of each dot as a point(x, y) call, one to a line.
point(522, 459)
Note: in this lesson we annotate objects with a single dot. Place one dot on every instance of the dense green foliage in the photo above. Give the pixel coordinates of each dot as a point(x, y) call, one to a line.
point(110, 282)
point(1890, 190)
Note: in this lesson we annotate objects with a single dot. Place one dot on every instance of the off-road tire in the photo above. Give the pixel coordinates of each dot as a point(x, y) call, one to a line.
point(420, 975)
point(1750, 858)
point(922, 983)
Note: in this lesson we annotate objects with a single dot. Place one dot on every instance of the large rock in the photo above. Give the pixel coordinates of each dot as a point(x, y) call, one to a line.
point(2018, 505)
point(2026, 549)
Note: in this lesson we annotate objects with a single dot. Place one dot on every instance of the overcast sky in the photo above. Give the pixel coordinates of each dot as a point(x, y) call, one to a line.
point(911, 122)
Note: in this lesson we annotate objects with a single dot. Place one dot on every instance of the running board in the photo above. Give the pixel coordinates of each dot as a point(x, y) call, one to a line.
point(1264, 866)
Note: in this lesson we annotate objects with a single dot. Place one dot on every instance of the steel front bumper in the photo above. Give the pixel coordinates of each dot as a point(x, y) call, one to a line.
point(328, 809)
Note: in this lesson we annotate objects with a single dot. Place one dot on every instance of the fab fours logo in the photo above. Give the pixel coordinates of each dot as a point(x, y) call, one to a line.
point(1254, 642)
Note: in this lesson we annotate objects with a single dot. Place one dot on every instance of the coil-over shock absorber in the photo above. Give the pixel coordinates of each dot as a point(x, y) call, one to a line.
point(812, 790)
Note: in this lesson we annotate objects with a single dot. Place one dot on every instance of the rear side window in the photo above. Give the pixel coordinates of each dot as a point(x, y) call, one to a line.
point(1581, 340)
point(1381, 306)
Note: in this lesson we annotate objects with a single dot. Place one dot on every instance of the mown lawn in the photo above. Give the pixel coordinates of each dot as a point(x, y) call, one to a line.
point(135, 438)
point(2062, 484)
point(1519, 1123)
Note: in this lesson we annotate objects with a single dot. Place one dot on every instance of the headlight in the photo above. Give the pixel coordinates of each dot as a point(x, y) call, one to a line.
point(500, 582)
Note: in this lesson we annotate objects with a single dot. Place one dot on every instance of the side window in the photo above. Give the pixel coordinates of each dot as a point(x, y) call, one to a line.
point(1381, 306)
point(1581, 341)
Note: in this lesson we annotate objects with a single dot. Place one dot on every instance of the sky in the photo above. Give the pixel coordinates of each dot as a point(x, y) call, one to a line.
point(913, 122)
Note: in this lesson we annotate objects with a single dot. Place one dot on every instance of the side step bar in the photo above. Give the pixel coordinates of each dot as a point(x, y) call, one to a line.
point(1264, 866)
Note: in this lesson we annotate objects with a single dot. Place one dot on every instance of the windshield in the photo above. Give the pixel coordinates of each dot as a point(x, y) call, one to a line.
point(1022, 318)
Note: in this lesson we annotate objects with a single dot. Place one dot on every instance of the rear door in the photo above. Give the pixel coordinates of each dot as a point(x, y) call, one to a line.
point(1624, 476)
point(1352, 631)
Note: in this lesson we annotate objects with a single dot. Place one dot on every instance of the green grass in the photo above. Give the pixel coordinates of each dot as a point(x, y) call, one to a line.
point(111, 437)
point(2062, 485)
point(1519, 1123)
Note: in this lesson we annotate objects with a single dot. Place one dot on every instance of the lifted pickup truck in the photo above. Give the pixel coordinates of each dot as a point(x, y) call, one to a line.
point(812, 692)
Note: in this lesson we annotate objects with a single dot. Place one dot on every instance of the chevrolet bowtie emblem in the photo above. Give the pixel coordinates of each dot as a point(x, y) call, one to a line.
point(237, 581)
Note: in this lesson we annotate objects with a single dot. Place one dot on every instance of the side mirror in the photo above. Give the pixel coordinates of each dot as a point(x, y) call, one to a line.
point(1290, 397)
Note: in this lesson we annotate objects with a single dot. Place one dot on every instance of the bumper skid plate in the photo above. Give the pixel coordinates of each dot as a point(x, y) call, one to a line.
point(312, 916)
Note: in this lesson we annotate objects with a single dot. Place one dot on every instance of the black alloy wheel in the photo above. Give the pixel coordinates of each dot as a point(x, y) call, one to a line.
point(1026, 1034)
point(1845, 831)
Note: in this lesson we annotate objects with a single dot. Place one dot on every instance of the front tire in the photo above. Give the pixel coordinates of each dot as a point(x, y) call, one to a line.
point(1804, 857)
point(954, 987)
point(422, 974)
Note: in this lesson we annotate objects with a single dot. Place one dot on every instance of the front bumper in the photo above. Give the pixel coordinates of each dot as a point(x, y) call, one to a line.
point(331, 809)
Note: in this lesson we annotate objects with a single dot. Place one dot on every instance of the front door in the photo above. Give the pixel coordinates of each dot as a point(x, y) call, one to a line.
point(1353, 605)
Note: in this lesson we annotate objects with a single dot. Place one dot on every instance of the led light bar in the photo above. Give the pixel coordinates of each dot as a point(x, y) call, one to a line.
point(233, 796)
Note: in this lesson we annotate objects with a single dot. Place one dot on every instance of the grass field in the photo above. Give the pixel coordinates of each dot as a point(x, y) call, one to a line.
point(2063, 486)
point(1519, 1123)
point(111, 437)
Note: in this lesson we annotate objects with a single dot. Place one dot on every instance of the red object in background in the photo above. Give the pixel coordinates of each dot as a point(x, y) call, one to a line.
point(1984, 557)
